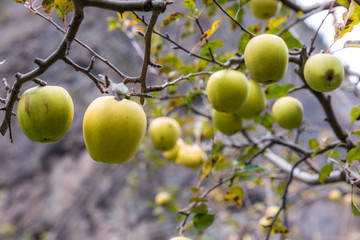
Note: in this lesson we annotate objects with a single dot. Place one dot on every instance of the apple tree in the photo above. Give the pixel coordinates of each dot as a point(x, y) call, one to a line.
point(227, 103)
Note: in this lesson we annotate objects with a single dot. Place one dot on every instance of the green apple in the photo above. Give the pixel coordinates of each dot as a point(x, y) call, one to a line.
point(191, 156)
point(227, 90)
point(264, 9)
point(113, 129)
point(179, 238)
point(266, 58)
point(162, 198)
point(164, 133)
point(323, 72)
point(172, 153)
point(255, 103)
point(227, 123)
point(288, 112)
point(45, 113)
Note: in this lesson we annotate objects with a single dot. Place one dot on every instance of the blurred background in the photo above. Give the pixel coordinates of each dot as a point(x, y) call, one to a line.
point(56, 191)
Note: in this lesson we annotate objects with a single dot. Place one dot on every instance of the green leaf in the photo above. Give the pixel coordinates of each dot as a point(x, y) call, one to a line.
point(266, 120)
point(353, 154)
point(47, 5)
point(355, 209)
point(207, 3)
point(203, 221)
point(199, 208)
point(245, 38)
point(251, 169)
point(354, 114)
point(189, 4)
point(333, 153)
point(278, 90)
point(249, 152)
point(197, 199)
point(194, 190)
point(313, 144)
point(63, 7)
point(291, 41)
point(246, 178)
point(172, 17)
point(325, 172)
point(356, 132)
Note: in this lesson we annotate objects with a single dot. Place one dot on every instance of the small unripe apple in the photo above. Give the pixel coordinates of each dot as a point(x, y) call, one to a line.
point(164, 132)
point(265, 222)
point(288, 112)
point(45, 113)
point(172, 153)
point(335, 195)
point(179, 238)
point(271, 211)
point(323, 72)
point(227, 123)
point(264, 9)
point(227, 90)
point(162, 198)
point(191, 156)
point(255, 103)
point(113, 129)
point(266, 58)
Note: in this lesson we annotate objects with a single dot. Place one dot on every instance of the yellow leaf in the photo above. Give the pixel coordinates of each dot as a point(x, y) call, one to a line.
point(273, 23)
point(212, 29)
point(351, 18)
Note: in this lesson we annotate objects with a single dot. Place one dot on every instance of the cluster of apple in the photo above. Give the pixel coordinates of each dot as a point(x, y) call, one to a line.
point(165, 136)
point(234, 97)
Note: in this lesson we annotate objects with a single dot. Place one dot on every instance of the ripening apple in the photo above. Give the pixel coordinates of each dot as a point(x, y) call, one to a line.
point(172, 153)
point(227, 123)
point(266, 58)
point(288, 112)
point(323, 72)
point(179, 238)
point(164, 133)
point(271, 211)
point(162, 198)
point(45, 113)
point(191, 156)
point(113, 129)
point(335, 195)
point(255, 103)
point(227, 90)
point(264, 9)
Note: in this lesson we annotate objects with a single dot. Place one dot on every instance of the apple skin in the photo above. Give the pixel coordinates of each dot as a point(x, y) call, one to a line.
point(264, 9)
point(45, 113)
point(266, 58)
point(227, 123)
point(164, 133)
point(113, 129)
point(227, 90)
point(288, 112)
point(162, 198)
point(323, 72)
point(180, 238)
point(255, 103)
point(191, 156)
point(172, 153)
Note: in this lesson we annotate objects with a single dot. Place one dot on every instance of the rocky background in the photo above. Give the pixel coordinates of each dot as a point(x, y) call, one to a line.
point(56, 191)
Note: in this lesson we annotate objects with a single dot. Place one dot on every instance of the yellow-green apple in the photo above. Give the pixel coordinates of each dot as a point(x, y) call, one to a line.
point(255, 103)
point(271, 211)
point(227, 90)
point(172, 153)
point(264, 9)
point(288, 112)
point(179, 238)
point(164, 133)
point(265, 222)
point(227, 123)
point(45, 113)
point(162, 198)
point(191, 156)
point(334, 195)
point(266, 58)
point(113, 129)
point(323, 72)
